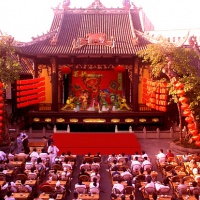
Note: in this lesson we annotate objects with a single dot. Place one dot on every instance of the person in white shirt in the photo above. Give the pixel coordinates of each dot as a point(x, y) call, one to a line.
point(10, 185)
point(44, 155)
point(34, 155)
point(9, 196)
point(161, 157)
point(144, 154)
point(118, 186)
point(135, 165)
point(146, 164)
point(2, 156)
point(53, 151)
point(94, 186)
point(23, 133)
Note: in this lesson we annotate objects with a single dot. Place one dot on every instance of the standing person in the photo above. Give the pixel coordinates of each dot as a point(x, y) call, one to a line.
point(12, 144)
point(45, 143)
point(23, 133)
point(50, 140)
point(25, 144)
point(19, 144)
point(52, 151)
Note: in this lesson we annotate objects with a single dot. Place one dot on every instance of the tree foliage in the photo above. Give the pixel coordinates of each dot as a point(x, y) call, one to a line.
point(9, 63)
point(166, 59)
point(9, 72)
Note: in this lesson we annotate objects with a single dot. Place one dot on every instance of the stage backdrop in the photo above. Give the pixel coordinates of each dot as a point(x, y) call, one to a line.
point(93, 142)
point(95, 81)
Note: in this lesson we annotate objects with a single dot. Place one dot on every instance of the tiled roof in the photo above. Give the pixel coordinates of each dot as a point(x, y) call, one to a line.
point(69, 25)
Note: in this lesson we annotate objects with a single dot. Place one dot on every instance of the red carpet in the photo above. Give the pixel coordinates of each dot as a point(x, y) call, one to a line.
point(93, 142)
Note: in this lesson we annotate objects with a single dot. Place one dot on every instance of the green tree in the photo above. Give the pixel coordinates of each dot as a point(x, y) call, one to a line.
point(175, 64)
point(9, 72)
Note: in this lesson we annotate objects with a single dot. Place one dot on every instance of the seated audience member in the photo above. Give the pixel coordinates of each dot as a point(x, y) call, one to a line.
point(52, 196)
point(80, 185)
point(135, 165)
point(62, 156)
point(9, 196)
point(121, 157)
point(150, 183)
point(125, 173)
point(114, 166)
point(36, 196)
point(94, 185)
point(193, 164)
point(34, 155)
point(194, 189)
point(9, 185)
point(119, 186)
point(144, 154)
point(169, 154)
point(112, 157)
point(83, 172)
point(8, 165)
point(3, 156)
point(11, 155)
point(76, 196)
point(22, 154)
point(146, 164)
point(85, 165)
point(160, 186)
point(182, 187)
point(32, 175)
point(28, 163)
point(95, 174)
point(2, 164)
point(185, 157)
point(44, 155)
point(161, 156)
point(59, 188)
point(40, 165)
point(53, 175)
point(137, 155)
point(24, 187)
point(67, 164)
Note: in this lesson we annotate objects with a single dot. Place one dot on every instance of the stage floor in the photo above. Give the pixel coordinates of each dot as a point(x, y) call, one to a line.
point(104, 142)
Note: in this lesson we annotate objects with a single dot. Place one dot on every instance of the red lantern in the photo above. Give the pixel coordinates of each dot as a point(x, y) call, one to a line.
point(66, 70)
point(194, 132)
point(180, 92)
point(1, 124)
point(120, 69)
point(186, 112)
point(1, 131)
point(195, 137)
point(183, 99)
point(197, 143)
point(1, 112)
point(1, 105)
point(191, 126)
point(179, 85)
point(1, 118)
point(188, 119)
point(184, 106)
point(1, 84)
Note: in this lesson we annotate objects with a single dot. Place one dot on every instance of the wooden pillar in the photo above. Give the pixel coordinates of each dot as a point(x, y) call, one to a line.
point(54, 81)
point(135, 82)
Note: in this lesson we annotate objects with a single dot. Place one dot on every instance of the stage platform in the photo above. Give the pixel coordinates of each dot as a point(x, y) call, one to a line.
point(104, 142)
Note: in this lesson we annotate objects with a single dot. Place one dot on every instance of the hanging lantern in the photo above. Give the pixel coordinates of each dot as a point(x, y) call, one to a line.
point(120, 69)
point(1, 112)
point(179, 85)
point(1, 105)
point(1, 84)
point(183, 99)
point(188, 119)
point(1, 124)
point(1, 118)
point(191, 126)
point(194, 132)
point(187, 112)
point(65, 70)
point(195, 137)
point(180, 92)
point(184, 106)
point(197, 143)
point(1, 131)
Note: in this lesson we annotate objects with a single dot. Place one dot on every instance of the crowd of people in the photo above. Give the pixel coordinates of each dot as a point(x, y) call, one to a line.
point(133, 176)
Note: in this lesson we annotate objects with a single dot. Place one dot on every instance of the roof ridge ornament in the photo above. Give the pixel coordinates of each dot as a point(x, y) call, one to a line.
point(66, 4)
point(96, 5)
point(94, 39)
